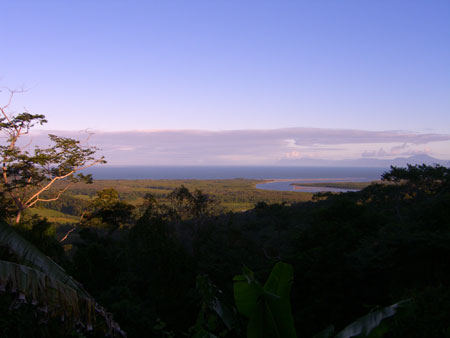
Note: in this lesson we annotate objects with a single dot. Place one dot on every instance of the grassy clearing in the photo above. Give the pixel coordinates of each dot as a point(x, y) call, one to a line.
point(54, 216)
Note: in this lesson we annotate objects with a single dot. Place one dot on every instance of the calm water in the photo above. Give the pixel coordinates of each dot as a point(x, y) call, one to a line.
point(287, 185)
point(287, 174)
point(295, 174)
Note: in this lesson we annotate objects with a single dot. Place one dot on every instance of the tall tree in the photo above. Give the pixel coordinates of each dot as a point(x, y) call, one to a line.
point(26, 175)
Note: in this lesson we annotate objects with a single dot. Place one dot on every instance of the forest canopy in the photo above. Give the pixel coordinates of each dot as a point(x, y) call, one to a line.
point(165, 267)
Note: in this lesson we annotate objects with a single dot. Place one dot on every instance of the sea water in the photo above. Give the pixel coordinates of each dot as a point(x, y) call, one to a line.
point(360, 174)
point(284, 176)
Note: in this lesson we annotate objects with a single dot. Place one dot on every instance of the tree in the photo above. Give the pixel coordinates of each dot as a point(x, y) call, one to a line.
point(191, 205)
point(27, 175)
point(109, 210)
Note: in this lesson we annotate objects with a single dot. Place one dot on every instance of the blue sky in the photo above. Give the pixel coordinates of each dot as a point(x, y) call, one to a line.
point(117, 66)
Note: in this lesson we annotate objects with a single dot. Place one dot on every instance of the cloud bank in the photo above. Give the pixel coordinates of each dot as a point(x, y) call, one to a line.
point(253, 147)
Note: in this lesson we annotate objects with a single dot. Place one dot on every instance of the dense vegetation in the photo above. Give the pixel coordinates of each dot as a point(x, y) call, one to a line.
point(162, 263)
point(231, 194)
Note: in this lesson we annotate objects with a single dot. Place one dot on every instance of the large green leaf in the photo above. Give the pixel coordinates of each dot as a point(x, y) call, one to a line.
point(268, 308)
point(247, 291)
point(279, 283)
point(280, 280)
point(38, 279)
point(262, 323)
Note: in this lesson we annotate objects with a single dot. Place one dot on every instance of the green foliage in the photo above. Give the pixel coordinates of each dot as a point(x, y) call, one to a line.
point(31, 277)
point(38, 289)
point(353, 252)
point(21, 122)
point(267, 308)
point(95, 261)
point(161, 269)
point(107, 211)
point(214, 315)
point(27, 174)
point(231, 195)
point(419, 174)
point(191, 205)
point(425, 316)
point(144, 275)
point(169, 269)
point(54, 216)
point(41, 233)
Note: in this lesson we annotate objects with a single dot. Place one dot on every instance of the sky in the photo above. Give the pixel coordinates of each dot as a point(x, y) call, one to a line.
point(156, 74)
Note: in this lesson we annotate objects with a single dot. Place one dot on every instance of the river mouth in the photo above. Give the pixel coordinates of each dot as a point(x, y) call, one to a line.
point(295, 184)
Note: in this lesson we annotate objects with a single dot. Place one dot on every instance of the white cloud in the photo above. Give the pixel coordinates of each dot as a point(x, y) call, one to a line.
point(190, 147)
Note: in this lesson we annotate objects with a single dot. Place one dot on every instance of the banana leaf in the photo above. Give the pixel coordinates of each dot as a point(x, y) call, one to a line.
point(371, 325)
point(267, 307)
point(31, 256)
point(37, 279)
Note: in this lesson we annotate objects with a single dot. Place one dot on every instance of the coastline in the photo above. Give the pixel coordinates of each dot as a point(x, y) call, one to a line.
point(307, 184)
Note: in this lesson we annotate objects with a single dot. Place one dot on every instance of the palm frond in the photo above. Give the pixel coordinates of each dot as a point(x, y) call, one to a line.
point(37, 279)
point(31, 256)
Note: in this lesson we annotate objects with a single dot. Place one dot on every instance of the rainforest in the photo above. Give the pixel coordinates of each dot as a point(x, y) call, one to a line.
point(225, 169)
point(163, 259)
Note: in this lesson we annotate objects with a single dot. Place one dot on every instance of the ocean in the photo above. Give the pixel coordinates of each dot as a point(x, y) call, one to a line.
point(362, 174)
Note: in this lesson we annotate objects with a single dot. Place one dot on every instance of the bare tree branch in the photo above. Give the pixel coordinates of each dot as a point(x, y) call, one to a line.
point(67, 234)
point(49, 199)
point(58, 178)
